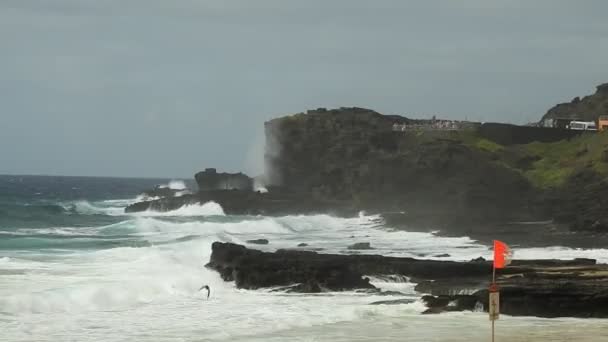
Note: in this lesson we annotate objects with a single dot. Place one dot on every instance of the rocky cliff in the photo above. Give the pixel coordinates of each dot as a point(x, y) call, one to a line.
point(589, 108)
point(353, 154)
point(462, 181)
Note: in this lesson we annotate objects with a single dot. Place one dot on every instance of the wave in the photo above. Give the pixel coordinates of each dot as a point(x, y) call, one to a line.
point(116, 279)
point(158, 230)
point(600, 255)
point(119, 228)
point(174, 185)
point(206, 209)
point(69, 243)
point(121, 202)
point(87, 208)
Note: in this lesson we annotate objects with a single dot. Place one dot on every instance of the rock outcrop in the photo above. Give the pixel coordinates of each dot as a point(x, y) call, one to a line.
point(210, 180)
point(546, 288)
point(258, 241)
point(589, 108)
point(162, 191)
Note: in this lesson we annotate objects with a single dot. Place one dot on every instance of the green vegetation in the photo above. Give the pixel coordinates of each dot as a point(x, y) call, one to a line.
point(547, 165)
point(487, 145)
point(556, 161)
point(471, 139)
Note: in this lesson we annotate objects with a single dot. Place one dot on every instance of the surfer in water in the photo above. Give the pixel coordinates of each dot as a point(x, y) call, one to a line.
point(206, 287)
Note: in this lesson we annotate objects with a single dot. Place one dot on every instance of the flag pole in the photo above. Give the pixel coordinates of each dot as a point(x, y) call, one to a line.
point(493, 283)
point(492, 331)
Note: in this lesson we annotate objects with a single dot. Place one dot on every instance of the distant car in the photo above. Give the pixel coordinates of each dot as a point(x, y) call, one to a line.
point(583, 125)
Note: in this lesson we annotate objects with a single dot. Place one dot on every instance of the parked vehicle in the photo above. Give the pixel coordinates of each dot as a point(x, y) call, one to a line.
point(583, 125)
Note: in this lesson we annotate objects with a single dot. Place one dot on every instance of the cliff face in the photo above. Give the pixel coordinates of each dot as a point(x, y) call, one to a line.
point(588, 108)
point(354, 154)
point(306, 151)
point(454, 179)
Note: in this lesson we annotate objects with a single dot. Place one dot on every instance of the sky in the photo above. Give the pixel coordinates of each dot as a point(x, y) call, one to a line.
point(166, 88)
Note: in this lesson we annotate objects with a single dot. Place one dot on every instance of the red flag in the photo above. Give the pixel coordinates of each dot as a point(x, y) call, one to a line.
point(502, 254)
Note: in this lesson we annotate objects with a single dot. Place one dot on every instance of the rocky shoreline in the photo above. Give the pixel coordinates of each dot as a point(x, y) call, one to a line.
point(244, 202)
point(543, 288)
point(528, 186)
point(518, 233)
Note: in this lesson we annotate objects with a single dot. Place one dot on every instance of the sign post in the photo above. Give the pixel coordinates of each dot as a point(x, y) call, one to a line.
point(493, 305)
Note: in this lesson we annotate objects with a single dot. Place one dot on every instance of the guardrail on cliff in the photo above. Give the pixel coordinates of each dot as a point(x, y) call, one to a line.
point(507, 134)
point(439, 125)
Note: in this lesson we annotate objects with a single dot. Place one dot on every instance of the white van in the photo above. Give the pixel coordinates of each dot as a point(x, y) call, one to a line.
point(583, 125)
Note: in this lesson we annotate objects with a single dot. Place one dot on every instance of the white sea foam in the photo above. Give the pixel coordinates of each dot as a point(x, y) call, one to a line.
point(151, 293)
point(121, 202)
point(174, 185)
point(87, 208)
point(206, 209)
point(117, 209)
point(601, 255)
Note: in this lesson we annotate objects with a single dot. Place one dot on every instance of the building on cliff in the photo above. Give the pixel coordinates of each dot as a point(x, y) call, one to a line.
point(434, 125)
point(602, 123)
point(583, 125)
point(561, 122)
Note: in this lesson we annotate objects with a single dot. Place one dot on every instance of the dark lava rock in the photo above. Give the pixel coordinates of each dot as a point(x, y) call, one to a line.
point(435, 302)
point(545, 288)
point(360, 246)
point(258, 241)
point(442, 255)
point(162, 191)
point(393, 302)
point(302, 244)
point(210, 179)
point(253, 269)
point(449, 303)
point(307, 287)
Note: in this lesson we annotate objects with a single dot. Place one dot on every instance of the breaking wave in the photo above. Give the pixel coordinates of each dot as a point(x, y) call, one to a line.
point(175, 185)
point(206, 209)
point(88, 208)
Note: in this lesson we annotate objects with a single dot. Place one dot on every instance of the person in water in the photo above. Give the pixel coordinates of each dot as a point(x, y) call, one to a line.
point(206, 287)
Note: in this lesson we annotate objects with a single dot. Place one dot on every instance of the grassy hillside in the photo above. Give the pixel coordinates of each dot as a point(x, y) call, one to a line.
point(562, 159)
point(548, 165)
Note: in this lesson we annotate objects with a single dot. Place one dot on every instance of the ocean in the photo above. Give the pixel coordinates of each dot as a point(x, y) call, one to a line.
point(75, 267)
